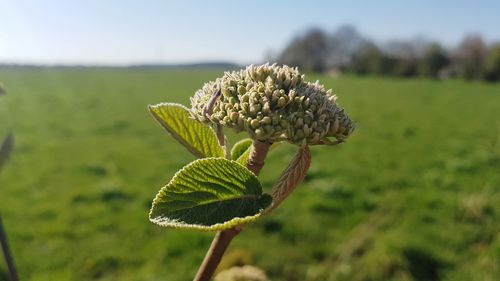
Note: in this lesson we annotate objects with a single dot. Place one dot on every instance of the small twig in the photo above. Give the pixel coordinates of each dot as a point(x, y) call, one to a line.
point(11, 267)
point(220, 135)
point(208, 109)
point(223, 238)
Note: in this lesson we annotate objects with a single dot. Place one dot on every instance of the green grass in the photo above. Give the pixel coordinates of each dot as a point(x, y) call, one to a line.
point(414, 194)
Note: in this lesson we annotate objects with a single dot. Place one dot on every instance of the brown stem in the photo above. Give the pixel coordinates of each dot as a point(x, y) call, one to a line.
point(222, 239)
point(215, 252)
point(220, 135)
point(257, 156)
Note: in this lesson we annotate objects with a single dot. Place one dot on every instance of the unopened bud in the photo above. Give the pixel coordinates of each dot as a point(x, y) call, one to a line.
point(266, 108)
point(282, 102)
point(299, 123)
point(284, 124)
point(242, 90)
point(234, 116)
point(259, 133)
point(266, 120)
point(273, 102)
point(307, 130)
point(254, 124)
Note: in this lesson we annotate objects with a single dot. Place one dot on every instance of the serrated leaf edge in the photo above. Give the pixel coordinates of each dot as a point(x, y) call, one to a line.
point(218, 226)
point(291, 177)
point(188, 146)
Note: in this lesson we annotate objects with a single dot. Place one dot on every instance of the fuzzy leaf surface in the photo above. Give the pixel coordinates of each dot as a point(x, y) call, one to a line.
point(210, 194)
point(292, 176)
point(197, 137)
point(240, 148)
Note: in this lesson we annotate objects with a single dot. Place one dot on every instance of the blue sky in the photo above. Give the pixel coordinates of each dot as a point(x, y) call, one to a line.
point(124, 32)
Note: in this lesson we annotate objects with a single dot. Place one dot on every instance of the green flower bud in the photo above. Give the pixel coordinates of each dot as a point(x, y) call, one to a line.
point(282, 102)
point(272, 102)
point(254, 124)
point(245, 98)
point(245, 106)
point(266, 120)
point(226, 92)
point(276, 120)
point(254, 109)
point(307, 130)
point(234, 116)
point(315, 137)
point(299, 134)
point(284, 123)
point(259, 133)
point(242, 90)
point(274, 98)
point(299, 123)
point(266, 108)
point(297, 101)
point(334, 127)
point(261, 88)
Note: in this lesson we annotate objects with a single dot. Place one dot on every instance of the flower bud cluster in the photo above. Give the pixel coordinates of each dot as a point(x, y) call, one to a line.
point(272, 103)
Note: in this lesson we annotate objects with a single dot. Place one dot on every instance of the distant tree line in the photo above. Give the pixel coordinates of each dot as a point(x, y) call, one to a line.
point(346, 50)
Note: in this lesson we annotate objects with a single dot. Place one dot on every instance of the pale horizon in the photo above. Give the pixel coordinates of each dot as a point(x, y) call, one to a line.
point(159, 32)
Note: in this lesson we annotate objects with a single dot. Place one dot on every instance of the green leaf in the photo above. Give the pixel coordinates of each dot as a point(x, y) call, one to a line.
point(210, 194)
point(197, 137)
point(240, 147)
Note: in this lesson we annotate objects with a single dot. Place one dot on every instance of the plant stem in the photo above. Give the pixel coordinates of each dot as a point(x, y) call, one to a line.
point(6, 252)
point(215, 252)
point(257, 156)
point(222, 238)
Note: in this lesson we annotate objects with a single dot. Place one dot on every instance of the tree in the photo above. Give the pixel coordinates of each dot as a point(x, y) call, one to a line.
point(433, 60)
point(367, 60)
point(344, 43)
point(308, 51)
point(318, 51)
point(470, 56)
point(403, 56)
point(492, 64)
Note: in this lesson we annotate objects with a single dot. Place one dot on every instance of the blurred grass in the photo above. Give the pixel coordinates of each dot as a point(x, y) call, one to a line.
point(413, 195)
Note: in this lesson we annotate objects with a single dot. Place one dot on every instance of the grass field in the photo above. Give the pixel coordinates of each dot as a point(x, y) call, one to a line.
point(414, 194)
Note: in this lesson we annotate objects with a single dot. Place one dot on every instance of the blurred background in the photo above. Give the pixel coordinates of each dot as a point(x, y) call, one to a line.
point(414, 194)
